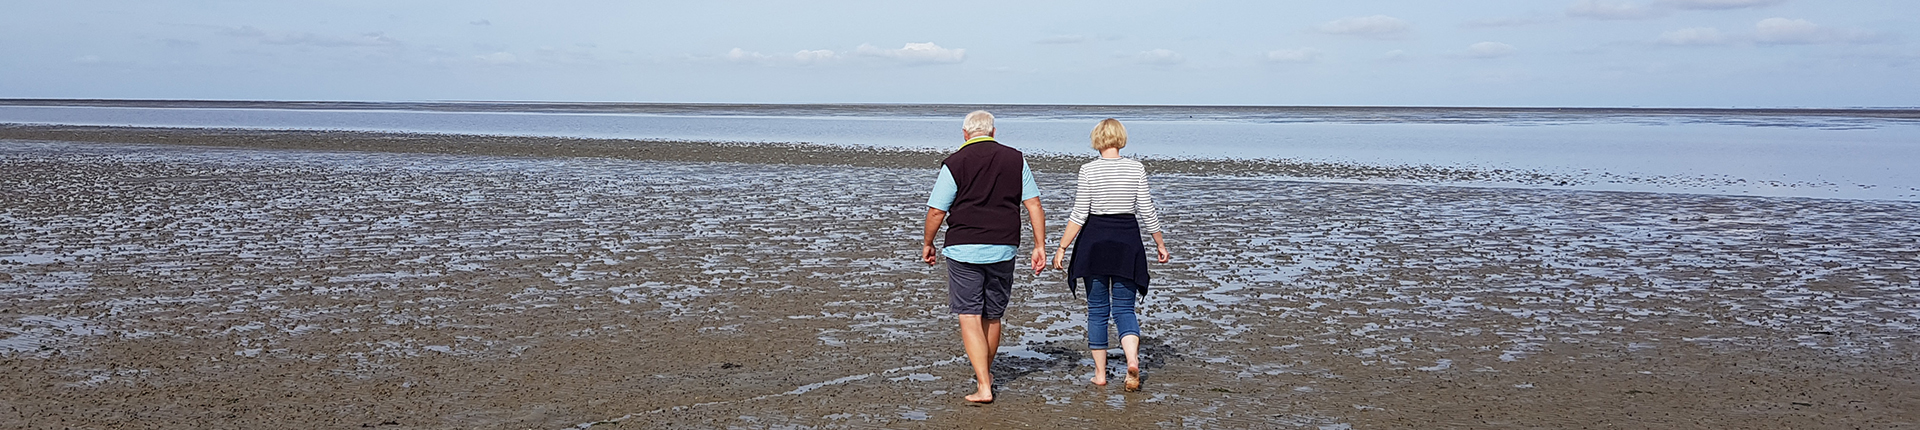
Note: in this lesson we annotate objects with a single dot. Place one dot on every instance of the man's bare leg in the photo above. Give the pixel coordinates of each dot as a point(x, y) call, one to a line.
point(974, 335)
point(992, 327)
point(993, 338)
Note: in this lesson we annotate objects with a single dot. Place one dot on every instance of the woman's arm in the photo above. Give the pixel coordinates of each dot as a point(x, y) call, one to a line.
point(1143, 204)
point(1150, 216)
point(1082, 206)
point(1082, 198)
point(1160, 248)
point(1066, 239)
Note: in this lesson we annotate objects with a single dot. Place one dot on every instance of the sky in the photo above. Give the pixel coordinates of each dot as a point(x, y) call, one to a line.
point(1574, 53)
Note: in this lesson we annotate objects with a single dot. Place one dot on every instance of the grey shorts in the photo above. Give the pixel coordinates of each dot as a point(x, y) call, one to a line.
point(979, 289)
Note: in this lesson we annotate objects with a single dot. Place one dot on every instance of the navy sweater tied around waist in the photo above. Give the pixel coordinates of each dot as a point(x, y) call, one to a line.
point(1109, 245)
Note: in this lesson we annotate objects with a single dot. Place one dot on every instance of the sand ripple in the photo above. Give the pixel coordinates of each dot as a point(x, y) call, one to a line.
point(335, 289)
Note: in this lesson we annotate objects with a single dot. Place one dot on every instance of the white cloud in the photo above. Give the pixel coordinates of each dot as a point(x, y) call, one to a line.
point(1302, 55)
point(1719, 4)
point(1611, 9)
point(738, 54)
point(1771, 31)
point(814, 56)
point(1489, 50)
point(312, 39)
point(498, 58)
point(1783, 31)
point(1625, 9)
point(1159, 57)
point(1377, 26)
point(1695, 36)
point(1064, 39)
point(915, 53)
point(1502, 76)
point(1788, 31)
point(481, 22)
point(804, 56)
point(244, 31)
point(1515, 21)
point(912, 53)
point(580, 54)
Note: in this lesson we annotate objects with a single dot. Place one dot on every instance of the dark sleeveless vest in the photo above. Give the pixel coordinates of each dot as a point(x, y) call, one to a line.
point(986, 207)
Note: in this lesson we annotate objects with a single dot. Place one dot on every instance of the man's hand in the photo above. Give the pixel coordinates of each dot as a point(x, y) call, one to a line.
point(927, 254)
point(1039, 259)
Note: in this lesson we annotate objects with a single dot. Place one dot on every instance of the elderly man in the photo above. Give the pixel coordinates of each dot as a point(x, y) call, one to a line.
point(978, 195)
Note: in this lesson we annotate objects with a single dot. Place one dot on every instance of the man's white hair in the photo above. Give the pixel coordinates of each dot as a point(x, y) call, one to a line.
point(978, 123)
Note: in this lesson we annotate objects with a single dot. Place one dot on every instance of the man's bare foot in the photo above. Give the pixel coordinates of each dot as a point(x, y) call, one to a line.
point(1133, 377)
point(985, 395)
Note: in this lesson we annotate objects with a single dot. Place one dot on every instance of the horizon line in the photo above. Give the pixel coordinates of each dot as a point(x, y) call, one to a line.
point(16, 101)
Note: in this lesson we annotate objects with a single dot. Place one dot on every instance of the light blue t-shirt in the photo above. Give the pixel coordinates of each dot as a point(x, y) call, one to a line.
point(944, 190)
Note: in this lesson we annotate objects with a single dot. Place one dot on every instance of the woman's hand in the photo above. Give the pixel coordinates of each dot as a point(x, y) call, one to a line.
point(1057, 258)
point(1160, 247)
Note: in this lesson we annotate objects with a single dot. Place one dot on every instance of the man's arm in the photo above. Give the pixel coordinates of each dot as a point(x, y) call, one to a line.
point(934, 218)
point(944, 189)
point(1038, 219)
point(1030, 196)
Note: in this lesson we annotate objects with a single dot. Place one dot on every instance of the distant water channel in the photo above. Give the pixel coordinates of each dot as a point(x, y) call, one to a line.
point(1850, 154)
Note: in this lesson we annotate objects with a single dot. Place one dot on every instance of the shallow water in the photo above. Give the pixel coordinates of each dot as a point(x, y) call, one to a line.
point(1766, 153)
point(757, 295)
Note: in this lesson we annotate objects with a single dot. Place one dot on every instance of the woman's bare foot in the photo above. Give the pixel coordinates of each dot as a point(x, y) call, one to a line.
point(1133, 377)
point(985, 395)
point(1100, 378)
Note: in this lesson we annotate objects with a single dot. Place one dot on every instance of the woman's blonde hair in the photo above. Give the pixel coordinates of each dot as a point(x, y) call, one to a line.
point(1109, 134)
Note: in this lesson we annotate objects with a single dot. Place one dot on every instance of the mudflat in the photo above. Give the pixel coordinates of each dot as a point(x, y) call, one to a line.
point(343, 280)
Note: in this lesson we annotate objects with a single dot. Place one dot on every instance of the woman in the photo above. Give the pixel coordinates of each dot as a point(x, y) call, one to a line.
point(1109, 209)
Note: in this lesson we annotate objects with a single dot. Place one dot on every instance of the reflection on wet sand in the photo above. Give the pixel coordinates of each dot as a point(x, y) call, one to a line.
point(180, 286)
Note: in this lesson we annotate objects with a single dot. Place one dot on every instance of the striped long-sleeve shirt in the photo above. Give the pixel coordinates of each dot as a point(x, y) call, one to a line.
point(1110, 186)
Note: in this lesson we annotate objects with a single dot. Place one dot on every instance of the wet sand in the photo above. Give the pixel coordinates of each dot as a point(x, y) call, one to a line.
point(299, 283)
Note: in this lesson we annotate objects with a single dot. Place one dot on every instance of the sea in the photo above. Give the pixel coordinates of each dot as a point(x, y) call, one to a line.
point(1820, 153)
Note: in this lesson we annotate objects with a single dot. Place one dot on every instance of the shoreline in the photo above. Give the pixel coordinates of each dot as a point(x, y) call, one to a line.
point(723, 152)
point(810, 154)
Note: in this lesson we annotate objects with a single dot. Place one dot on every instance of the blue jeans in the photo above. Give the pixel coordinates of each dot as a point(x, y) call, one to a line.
point(1109, 298)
